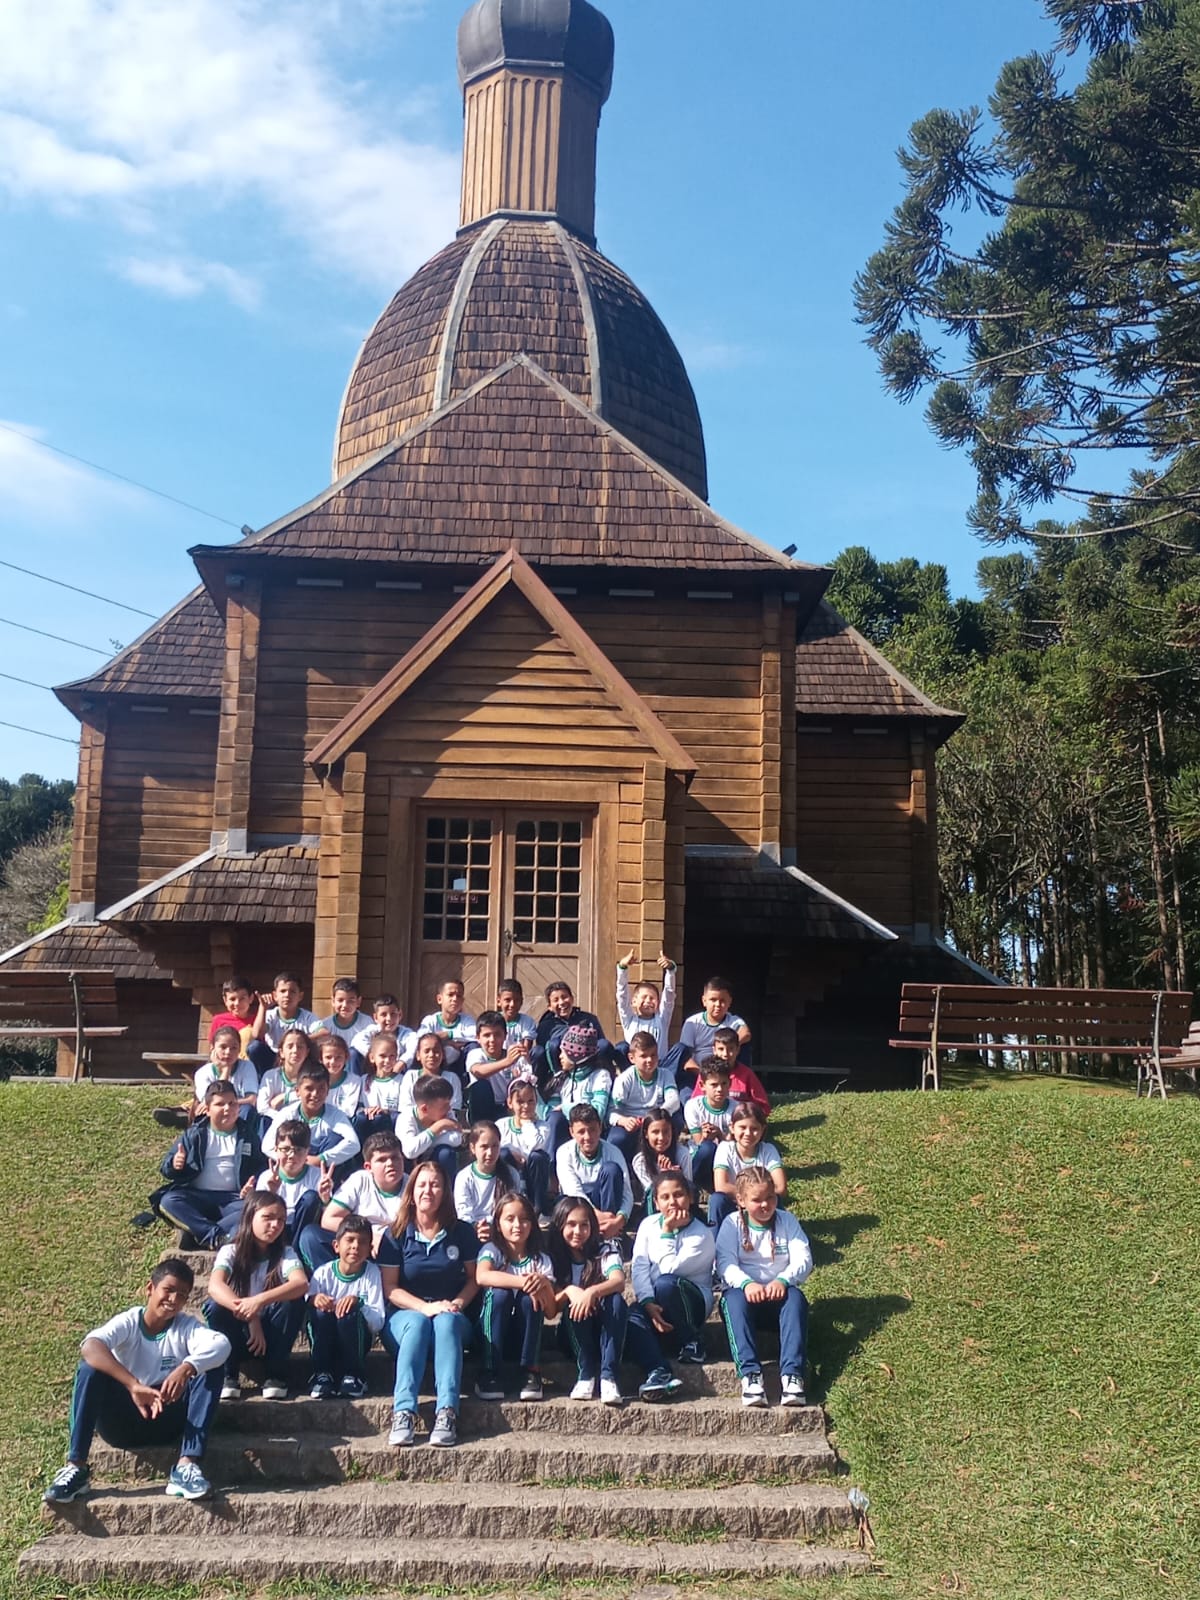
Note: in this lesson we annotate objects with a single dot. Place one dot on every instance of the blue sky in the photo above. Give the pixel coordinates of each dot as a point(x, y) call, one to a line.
point(204, 204)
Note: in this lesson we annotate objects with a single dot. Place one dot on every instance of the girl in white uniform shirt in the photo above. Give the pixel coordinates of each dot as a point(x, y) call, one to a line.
point(589, 1288)
point(256, 1295)
point(745, 1147)
point(763, 1256)
point(659, 1151)
point(525, 1143)
point(673, 1257)
point(516, 1278)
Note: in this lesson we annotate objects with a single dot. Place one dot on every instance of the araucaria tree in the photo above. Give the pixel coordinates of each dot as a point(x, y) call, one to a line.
point(1072, 329)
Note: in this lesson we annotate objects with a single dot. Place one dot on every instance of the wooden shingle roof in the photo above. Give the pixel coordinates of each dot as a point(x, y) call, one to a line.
point(517, 462)
point(181, 654)
point(520, 286)
point(742, 893)
point(83, 947)
point(275, 886)
point(839, 673)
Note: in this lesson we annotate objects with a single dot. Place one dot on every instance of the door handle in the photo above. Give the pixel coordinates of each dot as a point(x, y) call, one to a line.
point(508, 942)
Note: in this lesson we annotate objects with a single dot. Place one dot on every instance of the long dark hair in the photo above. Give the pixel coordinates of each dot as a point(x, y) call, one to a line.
point(447, 1216)
point(248, 1253)
point(535, 1245)
point(560, 1254)
point(650, 1157)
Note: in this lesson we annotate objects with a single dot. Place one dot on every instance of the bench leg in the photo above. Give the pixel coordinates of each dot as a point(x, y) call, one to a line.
point(929, 1071)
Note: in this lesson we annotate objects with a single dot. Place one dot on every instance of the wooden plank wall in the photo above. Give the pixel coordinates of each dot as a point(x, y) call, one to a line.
point(158, 1017)
point(696, 663)
point(854, 818)
point(235, 744)
point(698, 666)
point(156, 796)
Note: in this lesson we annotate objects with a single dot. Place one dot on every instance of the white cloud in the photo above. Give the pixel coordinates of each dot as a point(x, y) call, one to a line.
point(134, 105)
point(185, 279)
point(39, 486)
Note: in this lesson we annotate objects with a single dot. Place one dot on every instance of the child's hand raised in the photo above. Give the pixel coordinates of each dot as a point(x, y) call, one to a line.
point(179, 1159)
point(483, 1230)
point(274, 1181)
point(248, 1188)
point(630, 959)
point(665, 961)
point(325, 1185)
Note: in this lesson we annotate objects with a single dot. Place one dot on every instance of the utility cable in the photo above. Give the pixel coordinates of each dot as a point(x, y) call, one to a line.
point(38, 732)
point(120, 476)
point(57, 637)
point(75, 589)
point(12, 678)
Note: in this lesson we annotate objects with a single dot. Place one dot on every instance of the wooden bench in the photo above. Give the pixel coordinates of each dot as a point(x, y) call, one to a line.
point(73, 1007)
point(175, 1063)
point(936, 1017)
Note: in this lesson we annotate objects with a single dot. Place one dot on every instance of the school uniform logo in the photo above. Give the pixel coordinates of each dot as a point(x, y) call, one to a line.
point(452, 1252)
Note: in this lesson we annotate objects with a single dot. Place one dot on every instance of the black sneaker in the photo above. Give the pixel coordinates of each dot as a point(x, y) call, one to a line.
point(170, 1116)
point(692, 1354)
point(489, 1387)
point(144, 1219)
point(68, 1484)
point(531, 1384)
point(321, 1388)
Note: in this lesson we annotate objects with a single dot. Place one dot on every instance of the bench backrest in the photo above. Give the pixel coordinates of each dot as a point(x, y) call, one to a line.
point(1086, 1017)
point(48, 998)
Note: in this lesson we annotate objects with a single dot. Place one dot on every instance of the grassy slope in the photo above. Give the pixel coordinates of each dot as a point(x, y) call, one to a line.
point(1004, 1321)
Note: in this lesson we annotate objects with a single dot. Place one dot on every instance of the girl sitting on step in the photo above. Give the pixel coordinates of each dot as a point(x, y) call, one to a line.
point(256, 1295)
point(672, 1267)
point(746, 1145)
point(763, 1256)
point(516, 1278)
point(659, 1150)
point(589, 1285)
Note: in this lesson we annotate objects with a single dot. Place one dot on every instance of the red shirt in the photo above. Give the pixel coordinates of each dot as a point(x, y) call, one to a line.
point(745, 1084)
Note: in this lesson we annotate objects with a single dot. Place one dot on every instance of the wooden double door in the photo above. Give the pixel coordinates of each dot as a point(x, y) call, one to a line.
point(501, 892)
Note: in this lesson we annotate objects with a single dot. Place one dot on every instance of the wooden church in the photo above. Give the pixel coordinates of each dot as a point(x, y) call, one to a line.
point(508, 696)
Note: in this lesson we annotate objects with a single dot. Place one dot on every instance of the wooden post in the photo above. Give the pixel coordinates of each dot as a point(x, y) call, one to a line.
point(85, 838)
point(770, 704)
point(239, 687)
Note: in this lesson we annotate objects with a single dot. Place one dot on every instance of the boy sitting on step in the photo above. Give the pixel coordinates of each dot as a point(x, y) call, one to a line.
point(146, 1377)
point(744, 1082)
point(223, 1063)
point(277, 1013)
point(209, 1171)
point(588, 1166)
point(346, 1311)
point(304, 1190)
point(332, 1139)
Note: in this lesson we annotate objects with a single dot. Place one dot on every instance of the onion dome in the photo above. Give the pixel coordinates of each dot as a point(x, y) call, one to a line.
point(569, 34)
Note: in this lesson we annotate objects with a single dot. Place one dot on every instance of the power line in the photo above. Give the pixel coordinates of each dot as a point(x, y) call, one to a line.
point(57, 637)
point(38, 732)
point(120, 476)
point(12, 678)
point(75, 589)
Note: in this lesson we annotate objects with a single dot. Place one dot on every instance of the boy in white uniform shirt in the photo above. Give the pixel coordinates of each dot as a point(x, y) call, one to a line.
point(333, 1139)
point(643, 1087)
point(451, 1023)
point(387, 1017)
point(304, 1190)
point(346, 1020)
point(147, 1376)
point(273, 1021)
point(645, 1010)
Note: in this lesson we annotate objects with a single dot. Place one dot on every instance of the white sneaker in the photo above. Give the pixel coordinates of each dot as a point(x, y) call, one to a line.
point(230, 1390)
point(753, 1393)
point(793, 1390)
point(585, 1389)
point(610, 1393)
point(274, 1390)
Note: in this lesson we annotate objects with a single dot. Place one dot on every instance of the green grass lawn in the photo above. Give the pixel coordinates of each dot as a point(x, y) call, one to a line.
point(1004, 1326)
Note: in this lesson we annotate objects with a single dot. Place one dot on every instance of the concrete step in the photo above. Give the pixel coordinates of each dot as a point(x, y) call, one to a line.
point(597, 1460)
point(145, 1559)
point(697, 1418)
point(489, 1512)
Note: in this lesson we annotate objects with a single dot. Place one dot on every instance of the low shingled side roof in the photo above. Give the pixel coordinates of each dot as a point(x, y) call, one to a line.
point(182, 654)
point(83, 947)
point(838, 673)
point(275, 886)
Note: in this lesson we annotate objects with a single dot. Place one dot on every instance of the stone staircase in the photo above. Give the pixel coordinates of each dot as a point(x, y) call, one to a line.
point(697, 1488)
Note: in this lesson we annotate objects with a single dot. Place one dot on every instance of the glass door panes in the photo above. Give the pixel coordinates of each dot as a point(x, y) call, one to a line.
point(458, 883)
point(547, 881)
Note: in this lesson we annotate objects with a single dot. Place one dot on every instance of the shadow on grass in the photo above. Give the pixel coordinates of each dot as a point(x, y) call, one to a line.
point(839, 1327)
point(830, 1236)
point(786, 1124)
point(817, 1169)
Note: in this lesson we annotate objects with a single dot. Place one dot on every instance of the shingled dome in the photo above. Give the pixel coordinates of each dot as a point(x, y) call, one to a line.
point(558, 33)
point(512, 287)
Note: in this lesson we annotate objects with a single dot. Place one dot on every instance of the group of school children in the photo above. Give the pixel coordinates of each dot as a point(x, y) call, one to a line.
point(323, 1161)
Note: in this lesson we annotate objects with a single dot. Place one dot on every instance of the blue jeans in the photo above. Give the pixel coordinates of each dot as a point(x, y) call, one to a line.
point(411, 1336)
point(535, 1177)
point(598, 1342)
point(101, 1405)
point(315, 1245)
point(703, 1155)
point(742, 1318)
point(720, 1206)
point(339, 1344)
point(511, 1324)
point(210, 1215)
point(281, 1322)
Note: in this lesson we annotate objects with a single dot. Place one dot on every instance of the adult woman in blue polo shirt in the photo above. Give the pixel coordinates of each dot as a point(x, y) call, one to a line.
point(427, 1260)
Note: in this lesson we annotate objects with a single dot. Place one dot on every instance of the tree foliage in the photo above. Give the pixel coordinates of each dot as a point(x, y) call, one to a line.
point(1069, 803)
point(29, 807)
point(1072, 326)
